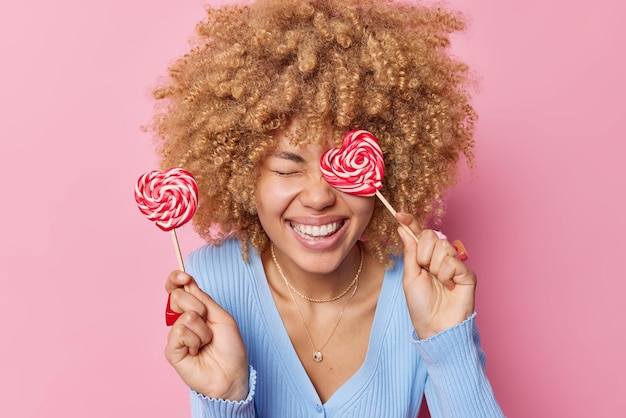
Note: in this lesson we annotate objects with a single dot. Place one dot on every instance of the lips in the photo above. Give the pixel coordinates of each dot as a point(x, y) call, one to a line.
point(316, 231)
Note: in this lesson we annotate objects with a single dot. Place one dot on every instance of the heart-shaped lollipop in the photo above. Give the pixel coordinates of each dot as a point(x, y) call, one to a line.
point(357, 167)
point(169, 198)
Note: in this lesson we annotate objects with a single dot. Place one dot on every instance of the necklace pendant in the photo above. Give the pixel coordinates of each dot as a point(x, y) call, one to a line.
point(318, 357)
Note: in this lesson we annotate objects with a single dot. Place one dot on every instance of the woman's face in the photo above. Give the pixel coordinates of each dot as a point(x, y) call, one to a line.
point(311, 224)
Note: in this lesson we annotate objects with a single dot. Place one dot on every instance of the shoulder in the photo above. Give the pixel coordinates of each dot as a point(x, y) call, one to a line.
point(229, 251)
point(212, 265)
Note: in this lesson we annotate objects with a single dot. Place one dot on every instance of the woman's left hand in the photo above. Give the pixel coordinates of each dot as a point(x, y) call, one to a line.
point(439, 288)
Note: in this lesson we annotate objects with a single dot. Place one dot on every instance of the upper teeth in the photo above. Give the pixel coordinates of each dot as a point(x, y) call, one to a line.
point(317, 230)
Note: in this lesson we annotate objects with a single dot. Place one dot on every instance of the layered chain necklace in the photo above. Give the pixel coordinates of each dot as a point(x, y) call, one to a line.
point(317, 353)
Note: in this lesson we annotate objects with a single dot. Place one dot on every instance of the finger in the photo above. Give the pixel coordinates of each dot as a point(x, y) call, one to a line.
point(454, 272)
point(426, 248)
point(181, 342)
point(182, 301)
point(409, 220)
point(215, 313)
point(197, 325)
point(177, 279)
point(446, 272)
point(441, 251)
point(181, 280)
point(411, 268)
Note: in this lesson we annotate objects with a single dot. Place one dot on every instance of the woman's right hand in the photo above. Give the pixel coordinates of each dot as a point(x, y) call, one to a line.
point(204, 344)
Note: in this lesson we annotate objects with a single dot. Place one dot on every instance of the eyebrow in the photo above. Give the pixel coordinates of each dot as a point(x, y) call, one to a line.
point(289, 156)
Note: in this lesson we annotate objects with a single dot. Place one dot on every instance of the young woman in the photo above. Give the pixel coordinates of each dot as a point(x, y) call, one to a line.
point(308, 301)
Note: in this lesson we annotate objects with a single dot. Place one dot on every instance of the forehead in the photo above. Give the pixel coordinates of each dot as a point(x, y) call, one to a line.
point(298, 153)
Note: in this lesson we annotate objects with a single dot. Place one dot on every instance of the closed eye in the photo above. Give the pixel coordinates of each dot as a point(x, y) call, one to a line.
point(286, 164)
point(287, 173)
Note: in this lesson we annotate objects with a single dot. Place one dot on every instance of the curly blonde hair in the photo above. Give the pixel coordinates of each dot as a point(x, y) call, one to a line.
point(376, 65)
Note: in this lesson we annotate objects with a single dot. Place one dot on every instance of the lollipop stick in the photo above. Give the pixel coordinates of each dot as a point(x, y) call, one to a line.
point(393, 212)
point(181, 265)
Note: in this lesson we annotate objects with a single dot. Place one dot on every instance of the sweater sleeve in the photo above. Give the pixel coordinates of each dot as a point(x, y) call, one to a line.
point(205, 407)
point(457, 385)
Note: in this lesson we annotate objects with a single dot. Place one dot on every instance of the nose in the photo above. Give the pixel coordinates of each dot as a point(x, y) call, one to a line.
point(317, 194)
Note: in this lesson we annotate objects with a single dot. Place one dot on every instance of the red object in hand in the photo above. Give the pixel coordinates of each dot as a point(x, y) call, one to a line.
point(461, 252)
point(170, 315)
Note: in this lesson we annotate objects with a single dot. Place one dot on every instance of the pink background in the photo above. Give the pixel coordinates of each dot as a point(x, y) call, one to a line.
point(82, 271)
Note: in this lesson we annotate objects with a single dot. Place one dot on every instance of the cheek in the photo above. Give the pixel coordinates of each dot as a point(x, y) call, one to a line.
point(365, 204)
point(363, 207)
point(272, 196)
point(272, 187)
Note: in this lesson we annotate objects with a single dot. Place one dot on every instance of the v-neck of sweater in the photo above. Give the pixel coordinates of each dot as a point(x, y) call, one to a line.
point(389, 292)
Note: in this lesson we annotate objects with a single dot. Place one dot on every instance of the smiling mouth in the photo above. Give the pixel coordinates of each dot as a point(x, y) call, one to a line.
point(316, 231)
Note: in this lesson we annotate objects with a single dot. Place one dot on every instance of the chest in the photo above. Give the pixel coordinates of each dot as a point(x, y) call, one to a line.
point(363, 361)
point(332, 345)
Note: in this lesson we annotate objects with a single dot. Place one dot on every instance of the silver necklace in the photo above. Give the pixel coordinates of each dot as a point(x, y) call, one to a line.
point(317, 353)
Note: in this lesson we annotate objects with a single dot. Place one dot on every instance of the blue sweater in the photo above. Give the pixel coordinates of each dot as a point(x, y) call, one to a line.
point(397, 371)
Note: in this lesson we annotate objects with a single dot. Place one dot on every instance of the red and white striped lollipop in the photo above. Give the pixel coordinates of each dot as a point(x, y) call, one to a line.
point(169, 199)
point(358, 168)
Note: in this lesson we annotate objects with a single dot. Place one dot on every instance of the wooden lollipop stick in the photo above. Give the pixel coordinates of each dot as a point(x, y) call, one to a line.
point(179, 256)
point(393, 212)
point(181, 265)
